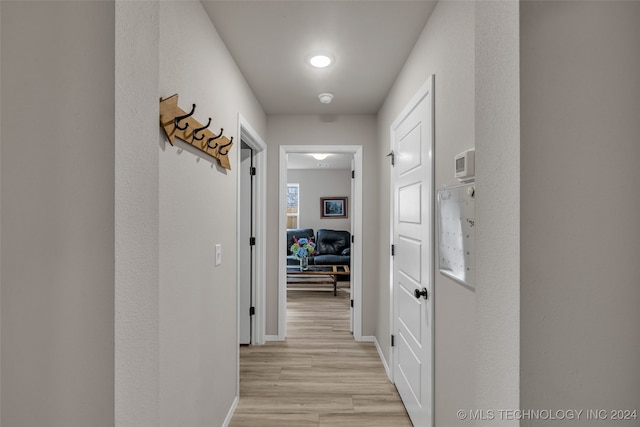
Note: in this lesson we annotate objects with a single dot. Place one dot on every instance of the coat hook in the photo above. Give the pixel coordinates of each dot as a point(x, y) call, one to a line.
point(178, 119)
point(224, 146)
point(195, 131)
point(214, 138)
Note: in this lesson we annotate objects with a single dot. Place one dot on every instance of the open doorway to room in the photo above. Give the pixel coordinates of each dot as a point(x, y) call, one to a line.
point(319, 221)
point(321, 202)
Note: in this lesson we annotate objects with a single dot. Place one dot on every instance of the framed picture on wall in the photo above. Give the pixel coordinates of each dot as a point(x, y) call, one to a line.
point(333, 207)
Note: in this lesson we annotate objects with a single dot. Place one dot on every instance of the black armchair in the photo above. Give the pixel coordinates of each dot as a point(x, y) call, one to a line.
point(333, 247)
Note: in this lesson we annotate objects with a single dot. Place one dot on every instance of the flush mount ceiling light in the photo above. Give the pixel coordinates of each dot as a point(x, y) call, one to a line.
point(319, 156)
point(320, 61)
point(325, 98)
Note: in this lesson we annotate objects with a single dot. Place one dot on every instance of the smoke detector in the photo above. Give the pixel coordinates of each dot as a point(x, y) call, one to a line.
point(325, 98)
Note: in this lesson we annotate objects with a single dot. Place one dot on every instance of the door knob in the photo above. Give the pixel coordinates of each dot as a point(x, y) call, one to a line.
point(418, 293)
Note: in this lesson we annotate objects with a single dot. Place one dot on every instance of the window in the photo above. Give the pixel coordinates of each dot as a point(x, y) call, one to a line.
point(293, 205)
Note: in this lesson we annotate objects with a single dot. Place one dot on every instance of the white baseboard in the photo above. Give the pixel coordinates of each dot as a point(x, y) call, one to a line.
point(273, 338)
point(232, 410)
point(384, 361)
point(367, 338)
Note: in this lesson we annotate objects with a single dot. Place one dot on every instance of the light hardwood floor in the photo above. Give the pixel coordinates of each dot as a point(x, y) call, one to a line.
point(319, 376)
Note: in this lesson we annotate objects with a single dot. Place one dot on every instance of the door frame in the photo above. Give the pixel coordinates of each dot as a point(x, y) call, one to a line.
point(246, 257)
point(425, 89)
point(247, 134)
point(356, 246)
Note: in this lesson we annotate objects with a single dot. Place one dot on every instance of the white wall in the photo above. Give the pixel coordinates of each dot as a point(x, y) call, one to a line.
point(580, 95)
point(197, 210)
point(321, 183)
point(0, 215)
point(76, 350)
point(324, 130)
point(57, 163)
point(497, 129)
point(137, 318)
point(446, 49)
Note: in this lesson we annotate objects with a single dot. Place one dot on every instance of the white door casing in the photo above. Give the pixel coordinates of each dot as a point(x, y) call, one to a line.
point(412, 139)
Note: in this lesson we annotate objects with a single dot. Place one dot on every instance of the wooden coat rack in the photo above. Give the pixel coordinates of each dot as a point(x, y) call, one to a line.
point(177, 123)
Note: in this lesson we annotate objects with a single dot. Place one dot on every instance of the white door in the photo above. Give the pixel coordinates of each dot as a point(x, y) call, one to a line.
point(353, 228)
point(412, 180)
point(246, 250)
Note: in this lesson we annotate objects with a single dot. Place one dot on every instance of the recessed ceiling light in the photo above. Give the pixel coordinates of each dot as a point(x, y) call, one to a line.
point(320, 61)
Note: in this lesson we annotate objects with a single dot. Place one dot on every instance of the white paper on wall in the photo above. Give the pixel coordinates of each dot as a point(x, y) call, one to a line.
point(456, 233)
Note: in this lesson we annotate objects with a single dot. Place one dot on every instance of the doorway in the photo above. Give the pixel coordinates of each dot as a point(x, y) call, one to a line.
point(247, 239)
point(251, 264)
point(356, 231)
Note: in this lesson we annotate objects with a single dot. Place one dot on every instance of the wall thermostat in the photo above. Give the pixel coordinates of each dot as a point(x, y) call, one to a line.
point(465, 165)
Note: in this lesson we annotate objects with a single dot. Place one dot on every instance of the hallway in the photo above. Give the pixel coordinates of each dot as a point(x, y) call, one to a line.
point(320, 376)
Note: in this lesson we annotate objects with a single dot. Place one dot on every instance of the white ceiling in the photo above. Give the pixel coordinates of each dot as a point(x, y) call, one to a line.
point(306, 161)
point(272, 40)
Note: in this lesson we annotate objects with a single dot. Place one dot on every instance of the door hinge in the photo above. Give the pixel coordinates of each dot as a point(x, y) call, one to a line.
point(352, 303)
point(252, 171)
point(252, 241)
point(353, 239)
point(392, 154)
point(393, 250)
point(393, 341)
point(353, 174)
point(252, 311)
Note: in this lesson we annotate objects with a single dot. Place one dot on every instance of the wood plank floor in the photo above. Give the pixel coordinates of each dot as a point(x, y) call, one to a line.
point(320, 376)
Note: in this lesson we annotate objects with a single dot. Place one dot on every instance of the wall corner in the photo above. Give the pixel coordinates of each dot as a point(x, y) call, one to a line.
point(497, 132)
